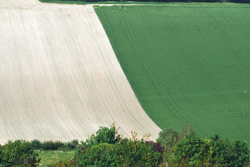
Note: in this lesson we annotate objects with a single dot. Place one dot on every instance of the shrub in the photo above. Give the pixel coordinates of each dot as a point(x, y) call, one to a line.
point(72, 145)
point(190, 151)
point(231, 152)
point(168, 137)
point(126, 152)
point(186, 130)
point(50, 145)
point(195, 151)
point(137, 153)
point(36, 144)
point(19, 149)
point(97, 155)
point(75, 143)
point(60, 163)
point(103, 135)
point(157, 146)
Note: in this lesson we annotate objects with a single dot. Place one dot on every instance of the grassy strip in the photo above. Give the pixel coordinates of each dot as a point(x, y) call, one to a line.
point(186, 63)
point(52, 157)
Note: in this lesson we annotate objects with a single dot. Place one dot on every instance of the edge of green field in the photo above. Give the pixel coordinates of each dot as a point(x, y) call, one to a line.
point(186, 63)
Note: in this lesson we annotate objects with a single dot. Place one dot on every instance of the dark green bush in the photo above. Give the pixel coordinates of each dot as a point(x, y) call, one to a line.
point(97, 155)
point(72, 145)
point(50, 145)
point(195, 151)
point(137, 153)
point(168, 137)
point(191, 151)
point(231, 152)
point(36, 144)
point(108, 149)
point(125, 153)
point(103, 135)
point(19, 149)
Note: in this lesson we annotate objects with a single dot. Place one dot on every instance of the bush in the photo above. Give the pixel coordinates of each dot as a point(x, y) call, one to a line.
point(98, 155)
point(50, 145)
point(122, 152)
point(36, 144)
point(61, 163)
point(186, 130)
point(168, 137)
point(19, 149)
point(157, 146)
point(195, 151)
point(103, 135)
point(137, 153)
point(127, 153)
point(72, 145)
point(190, 151)
point(231, 152)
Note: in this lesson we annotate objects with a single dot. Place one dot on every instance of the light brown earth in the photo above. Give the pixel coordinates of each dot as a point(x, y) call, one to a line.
point(59, 76)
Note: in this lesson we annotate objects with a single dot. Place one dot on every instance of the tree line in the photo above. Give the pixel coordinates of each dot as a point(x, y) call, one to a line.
point(109, 148)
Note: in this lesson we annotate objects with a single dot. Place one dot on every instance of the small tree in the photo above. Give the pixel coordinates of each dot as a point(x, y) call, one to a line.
point(19, 149)
point(36, 144)
point(186, 130)
point(103, 135)
point(168, 137)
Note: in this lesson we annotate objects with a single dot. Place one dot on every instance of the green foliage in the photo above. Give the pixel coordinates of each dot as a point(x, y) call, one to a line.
point(185, 62)
point(98, 155)
point(186, 130)
point(70, 145)
point(51, 145)
point(0, 154)
point(19, 149)
point(49, 157)
point(103, 135)
point(168, 137)
point(60, 163)
point(191, 150)
point(231, 152)
point(136, 153)
point(112, 150)
point(128, 153)
point(36, 144)
point(54, 145)
point(195, 151)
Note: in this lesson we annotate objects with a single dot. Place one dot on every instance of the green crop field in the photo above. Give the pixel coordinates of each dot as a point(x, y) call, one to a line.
point(186, 63)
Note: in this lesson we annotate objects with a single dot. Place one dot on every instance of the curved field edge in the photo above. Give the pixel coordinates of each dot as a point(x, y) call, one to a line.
point(59, 76)
point(186, 63)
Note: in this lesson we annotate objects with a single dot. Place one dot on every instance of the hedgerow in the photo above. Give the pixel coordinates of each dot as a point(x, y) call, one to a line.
point(126, 152)
point(108, 148)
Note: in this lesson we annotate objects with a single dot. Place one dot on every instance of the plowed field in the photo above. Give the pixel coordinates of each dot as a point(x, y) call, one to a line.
point(59, 76)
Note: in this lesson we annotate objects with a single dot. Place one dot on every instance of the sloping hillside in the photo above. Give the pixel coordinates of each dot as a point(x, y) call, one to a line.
point(186, 62)
point(59, 76)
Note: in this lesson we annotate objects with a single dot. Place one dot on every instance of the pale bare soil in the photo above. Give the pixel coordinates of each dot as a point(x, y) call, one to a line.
point(59, 76)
